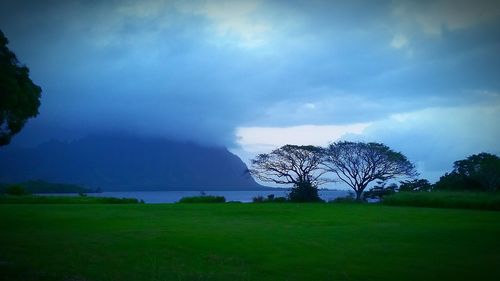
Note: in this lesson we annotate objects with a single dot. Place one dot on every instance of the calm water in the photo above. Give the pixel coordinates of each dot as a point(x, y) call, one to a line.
point(174, 196)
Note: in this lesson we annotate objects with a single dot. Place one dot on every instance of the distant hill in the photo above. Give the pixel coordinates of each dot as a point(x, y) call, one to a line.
point(39, 186)
point(119, 163)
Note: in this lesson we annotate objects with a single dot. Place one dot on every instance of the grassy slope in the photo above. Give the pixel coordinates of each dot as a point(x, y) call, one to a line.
point(247, 242)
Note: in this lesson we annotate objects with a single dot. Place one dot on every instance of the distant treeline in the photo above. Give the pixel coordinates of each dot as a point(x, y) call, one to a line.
point(39, 186)
point(83, 199)
point(477, 173)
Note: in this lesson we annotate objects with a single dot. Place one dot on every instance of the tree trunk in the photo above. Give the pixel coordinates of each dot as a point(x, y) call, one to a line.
point(359, 194)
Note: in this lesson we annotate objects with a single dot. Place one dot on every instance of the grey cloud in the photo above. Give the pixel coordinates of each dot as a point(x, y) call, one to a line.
point(436, 137)
point(154, 68)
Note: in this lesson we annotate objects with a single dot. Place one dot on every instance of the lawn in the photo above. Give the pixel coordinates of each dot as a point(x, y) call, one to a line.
point(247, 242)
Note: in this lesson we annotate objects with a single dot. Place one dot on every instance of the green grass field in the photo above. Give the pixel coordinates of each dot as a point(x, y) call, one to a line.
point(247, 242)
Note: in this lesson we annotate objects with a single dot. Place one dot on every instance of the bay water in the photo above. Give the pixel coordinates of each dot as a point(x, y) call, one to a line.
point(155, 197)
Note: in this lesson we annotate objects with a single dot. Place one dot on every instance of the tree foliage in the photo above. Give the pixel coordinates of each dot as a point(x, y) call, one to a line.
point(478, 172)
point(380, 190)
point(289, 164)
point(19, 96)
point(292, 164)
point(415, 185)
point(358, 164)
point(304, 192)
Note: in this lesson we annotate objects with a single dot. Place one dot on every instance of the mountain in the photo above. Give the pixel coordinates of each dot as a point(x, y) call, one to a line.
point(124, 163)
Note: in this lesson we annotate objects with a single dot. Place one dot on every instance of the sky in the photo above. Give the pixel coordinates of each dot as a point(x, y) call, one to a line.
point(419, 76)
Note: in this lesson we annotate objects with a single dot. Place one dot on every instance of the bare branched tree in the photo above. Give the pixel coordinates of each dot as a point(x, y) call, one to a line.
point(358, 164)
point(290, 164)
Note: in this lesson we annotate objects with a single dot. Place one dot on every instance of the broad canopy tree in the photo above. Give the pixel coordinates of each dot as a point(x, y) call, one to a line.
point(355, 163)
point(478, 172)
point(19, 96)
point(292, 164)
point(483, 168)
point(358, 164)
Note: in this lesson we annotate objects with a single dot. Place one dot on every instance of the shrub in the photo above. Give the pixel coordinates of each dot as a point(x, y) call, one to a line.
point(445, 199)
point(16, 190)
point(270, 199)
point(258, 199)
point(280, 200)
point(380, 190)
point(304, 192)
point(203, 199)
point(113, 200)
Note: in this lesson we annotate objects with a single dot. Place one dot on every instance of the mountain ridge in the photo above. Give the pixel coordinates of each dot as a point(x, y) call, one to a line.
point(127, 163)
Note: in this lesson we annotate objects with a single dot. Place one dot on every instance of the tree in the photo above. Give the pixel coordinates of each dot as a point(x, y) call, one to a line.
point(358, 164)
point(19, 96)
point(478, 172)
point(452, 181)
point(292, 164)
point(380, 190)
point(304, 192)
point(415, 185)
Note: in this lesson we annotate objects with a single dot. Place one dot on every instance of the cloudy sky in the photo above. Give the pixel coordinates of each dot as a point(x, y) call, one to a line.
point(420, 76)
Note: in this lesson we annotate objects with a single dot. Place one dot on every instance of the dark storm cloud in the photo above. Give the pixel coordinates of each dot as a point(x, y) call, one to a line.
point(198, 70)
